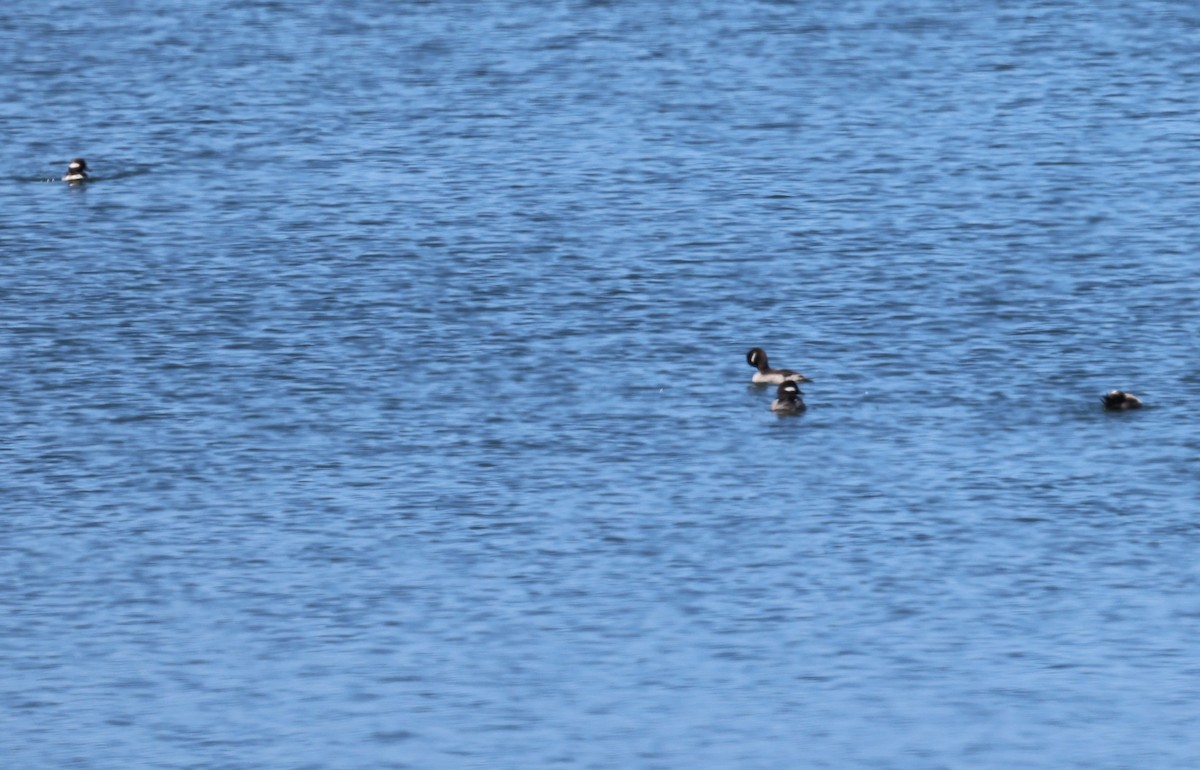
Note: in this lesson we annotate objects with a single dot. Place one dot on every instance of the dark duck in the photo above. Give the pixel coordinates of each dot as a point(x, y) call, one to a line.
point(76, 171)
point(1119, 401)
point(789, 399)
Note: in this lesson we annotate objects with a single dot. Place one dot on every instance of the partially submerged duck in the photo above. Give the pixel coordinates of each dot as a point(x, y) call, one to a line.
point(76, 171)
point(1119, 400)
point(789, 399)
point(757, 357)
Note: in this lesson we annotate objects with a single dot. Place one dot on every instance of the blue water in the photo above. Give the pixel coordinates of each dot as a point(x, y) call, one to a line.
point(382, 402)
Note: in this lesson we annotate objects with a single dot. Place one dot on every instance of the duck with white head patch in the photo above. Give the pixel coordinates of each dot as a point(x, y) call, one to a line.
point(76, 172)
point(757, 357)
point(789, 399)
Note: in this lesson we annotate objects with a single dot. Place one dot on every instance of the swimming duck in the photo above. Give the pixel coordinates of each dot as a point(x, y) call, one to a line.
point(1118, 400)
point(76, 171)
point(789, 399)
point(757, 357)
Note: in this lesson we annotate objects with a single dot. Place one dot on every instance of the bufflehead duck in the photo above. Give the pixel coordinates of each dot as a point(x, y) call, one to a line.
point(77, 171)
point(789, 401)
point(757, 357)
point(1118, 400)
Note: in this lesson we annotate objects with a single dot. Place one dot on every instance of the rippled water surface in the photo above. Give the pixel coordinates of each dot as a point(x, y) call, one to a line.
point(382, 403)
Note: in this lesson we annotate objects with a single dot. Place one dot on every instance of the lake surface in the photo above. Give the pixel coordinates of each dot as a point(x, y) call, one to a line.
point(383, 403)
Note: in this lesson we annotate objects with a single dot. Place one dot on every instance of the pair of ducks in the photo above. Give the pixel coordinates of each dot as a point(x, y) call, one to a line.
point(789, 397)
